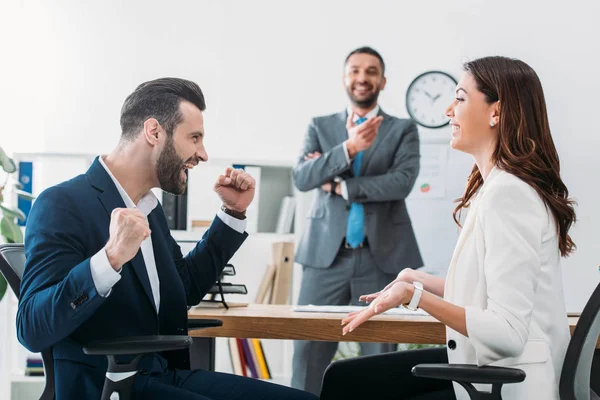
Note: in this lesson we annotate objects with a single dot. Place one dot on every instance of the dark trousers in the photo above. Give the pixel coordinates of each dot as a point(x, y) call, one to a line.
point(205, 385)
point(387, 377)
point(353, 273)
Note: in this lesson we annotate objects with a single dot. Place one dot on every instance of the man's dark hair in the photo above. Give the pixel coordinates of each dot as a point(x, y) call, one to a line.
point(367, 50)
point(158, 99)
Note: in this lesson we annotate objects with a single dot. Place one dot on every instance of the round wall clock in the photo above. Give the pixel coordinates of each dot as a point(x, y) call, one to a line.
point(427, 97)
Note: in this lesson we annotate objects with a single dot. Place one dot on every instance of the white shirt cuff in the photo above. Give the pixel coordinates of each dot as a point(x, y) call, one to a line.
point(103, 274)
point(344, 188)
point(238, 225)
point(345, 146)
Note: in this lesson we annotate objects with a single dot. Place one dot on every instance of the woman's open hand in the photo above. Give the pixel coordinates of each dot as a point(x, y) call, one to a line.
point(395, 294)
point(406, 275)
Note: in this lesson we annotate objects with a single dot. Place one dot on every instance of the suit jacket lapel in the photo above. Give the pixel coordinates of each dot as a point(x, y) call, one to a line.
point(173, 299)
point(110, 198)
point(163, 259)
point(464, 234)
point(139, 266)
point(383, 129)
point(466, 231)
point(340, 132)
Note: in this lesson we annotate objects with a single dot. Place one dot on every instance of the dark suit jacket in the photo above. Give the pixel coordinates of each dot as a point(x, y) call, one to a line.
point(388, 172)
point(59, 305)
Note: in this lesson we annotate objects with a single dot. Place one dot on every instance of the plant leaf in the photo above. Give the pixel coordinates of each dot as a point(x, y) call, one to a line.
point(6, 162)
point(10, 230)
point(12, 212)
point(25, 195)
point(2, 286)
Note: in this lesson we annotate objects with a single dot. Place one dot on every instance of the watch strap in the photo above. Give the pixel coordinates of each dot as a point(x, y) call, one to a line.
point(333, 187)
point(233, 213)
point(416, 298)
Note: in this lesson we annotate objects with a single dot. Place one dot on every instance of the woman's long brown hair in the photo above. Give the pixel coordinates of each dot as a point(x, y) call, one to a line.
point(525, 147)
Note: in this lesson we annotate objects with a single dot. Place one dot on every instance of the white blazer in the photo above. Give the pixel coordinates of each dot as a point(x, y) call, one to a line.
point(505, 271)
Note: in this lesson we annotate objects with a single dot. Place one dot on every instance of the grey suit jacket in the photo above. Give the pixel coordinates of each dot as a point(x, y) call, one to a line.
point(388, 172)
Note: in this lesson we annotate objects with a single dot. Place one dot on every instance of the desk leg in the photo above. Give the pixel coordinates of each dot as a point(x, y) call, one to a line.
point(202, 354)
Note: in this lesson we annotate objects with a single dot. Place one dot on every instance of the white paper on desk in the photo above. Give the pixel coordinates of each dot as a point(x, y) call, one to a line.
point(348, 309)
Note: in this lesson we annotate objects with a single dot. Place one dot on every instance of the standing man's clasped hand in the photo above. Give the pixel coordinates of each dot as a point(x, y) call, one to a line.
point(236, 189)
point(361, 137)
point(394, 295)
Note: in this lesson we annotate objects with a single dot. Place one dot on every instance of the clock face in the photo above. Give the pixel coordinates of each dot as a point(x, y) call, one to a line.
point(428, 96)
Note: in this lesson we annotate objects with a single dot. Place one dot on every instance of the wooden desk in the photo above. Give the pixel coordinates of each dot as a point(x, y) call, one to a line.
point(262, 321)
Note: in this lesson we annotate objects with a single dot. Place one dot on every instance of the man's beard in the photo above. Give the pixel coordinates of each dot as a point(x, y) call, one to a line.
point(168, 170)
point(364, 103)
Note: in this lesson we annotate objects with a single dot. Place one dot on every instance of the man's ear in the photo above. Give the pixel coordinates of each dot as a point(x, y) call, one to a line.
point(151, 131)
point(383, 82)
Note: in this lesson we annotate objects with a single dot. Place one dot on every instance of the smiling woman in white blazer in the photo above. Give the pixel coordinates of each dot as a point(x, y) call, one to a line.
point(502, 300)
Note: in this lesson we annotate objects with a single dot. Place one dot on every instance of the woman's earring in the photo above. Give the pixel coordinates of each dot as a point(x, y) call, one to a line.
point(492, 124)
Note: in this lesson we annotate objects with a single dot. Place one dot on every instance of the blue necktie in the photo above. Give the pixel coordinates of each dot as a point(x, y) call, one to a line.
point(355, 228)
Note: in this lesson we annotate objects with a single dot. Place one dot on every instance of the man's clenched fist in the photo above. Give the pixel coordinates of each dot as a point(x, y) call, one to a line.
point(128, 229)
point(236, 189)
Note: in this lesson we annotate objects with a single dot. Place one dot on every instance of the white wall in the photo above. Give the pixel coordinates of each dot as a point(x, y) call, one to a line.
point(266, 67)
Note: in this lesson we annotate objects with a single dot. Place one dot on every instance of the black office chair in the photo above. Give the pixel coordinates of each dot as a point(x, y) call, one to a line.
point(582, 360)
point(575, 383)
point(575, 380)
point(466, 375)
point(119, 377)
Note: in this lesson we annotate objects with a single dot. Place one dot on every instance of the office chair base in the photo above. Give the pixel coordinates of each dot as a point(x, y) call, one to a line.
point(119, 379)
point(475, 394)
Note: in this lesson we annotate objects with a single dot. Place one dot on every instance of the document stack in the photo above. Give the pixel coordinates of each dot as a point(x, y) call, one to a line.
point(248, 358)
point(221, 288)
point(34, 367)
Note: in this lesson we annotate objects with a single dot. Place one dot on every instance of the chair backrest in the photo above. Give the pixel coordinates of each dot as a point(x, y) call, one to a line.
point(12, 266)
point(577, 367)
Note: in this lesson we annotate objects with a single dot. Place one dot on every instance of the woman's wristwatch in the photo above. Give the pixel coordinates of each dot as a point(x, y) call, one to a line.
point(416, 298)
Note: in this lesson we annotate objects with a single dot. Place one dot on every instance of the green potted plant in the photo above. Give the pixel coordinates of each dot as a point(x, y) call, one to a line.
point(9, 229)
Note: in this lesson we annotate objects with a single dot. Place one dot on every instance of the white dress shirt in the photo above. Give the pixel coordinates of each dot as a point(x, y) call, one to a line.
point(370, 114)
point(104, 275)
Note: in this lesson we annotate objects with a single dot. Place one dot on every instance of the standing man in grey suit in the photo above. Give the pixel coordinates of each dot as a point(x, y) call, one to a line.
point(359, 235)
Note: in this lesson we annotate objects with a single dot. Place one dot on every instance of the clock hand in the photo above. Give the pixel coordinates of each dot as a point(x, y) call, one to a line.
point(428, 95)
point(436, 97)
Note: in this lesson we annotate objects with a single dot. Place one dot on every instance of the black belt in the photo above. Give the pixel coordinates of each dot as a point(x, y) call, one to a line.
point(346, 245)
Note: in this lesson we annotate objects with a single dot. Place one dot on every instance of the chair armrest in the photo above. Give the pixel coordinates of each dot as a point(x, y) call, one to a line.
point(469, 373)
point(137, 345)
point(203, 323)
point(148, 344)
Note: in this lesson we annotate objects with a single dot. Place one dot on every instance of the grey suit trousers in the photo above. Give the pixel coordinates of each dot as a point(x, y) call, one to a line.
point(353, 273)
